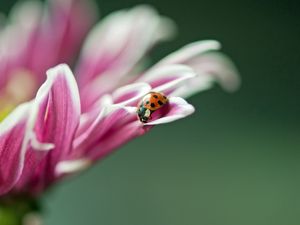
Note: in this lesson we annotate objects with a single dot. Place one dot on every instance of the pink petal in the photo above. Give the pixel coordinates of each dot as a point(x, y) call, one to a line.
point(109, 134)
point(109, 118)
point(115, 47)
point(167, 79)
point(218, 66)
point(116, 137)
point(108, 111)
point(39, 37)
point(120, 126)
point(54, 119)
point(127, 95)
point(195, 85)
point(59, 35)
point(88, 119)
point(14, 51)
point(209, 65)
point(189, 52)
point(130, 94)
point(70, 20)
point(176, 109)
point(12, 147)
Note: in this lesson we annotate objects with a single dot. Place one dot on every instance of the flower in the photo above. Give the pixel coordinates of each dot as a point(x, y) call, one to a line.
point(76, 120)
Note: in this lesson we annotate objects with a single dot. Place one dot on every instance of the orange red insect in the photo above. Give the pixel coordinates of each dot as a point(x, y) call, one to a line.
point(149, 104)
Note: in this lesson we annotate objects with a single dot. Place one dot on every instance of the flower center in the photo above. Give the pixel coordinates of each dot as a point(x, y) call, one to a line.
point(18, 209)
point(19, 88)
point(4, 111)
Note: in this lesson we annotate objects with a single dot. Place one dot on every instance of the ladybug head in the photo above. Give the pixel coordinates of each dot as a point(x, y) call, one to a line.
point(144, 114)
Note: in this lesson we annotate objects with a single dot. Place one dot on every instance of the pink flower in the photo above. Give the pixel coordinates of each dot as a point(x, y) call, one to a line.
point(72, 123)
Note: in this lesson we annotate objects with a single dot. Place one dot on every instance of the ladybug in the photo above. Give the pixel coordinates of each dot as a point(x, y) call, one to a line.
point(149, 104)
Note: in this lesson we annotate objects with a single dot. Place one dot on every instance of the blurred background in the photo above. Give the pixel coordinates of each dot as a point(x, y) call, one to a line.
point(236, 161)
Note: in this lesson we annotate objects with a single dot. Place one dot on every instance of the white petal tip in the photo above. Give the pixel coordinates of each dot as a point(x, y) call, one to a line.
point(179, 109)
point(38, 146)
point(72, 166)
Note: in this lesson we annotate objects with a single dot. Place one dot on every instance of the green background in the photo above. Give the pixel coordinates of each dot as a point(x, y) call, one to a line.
point(236, 161)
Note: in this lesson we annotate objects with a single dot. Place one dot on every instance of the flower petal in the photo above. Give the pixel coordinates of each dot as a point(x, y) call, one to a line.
point(108, 118)
point(12, 146)
point(189, 52)
point(192, 86)
point(88, 118)
point(53, 119)
point(176, 109)
point(209, 65)
point(117, 136)
point(38, 37)
point(72, 166)
point(115, 47)
point(24, 21)
point(219, 67)
point(167, 78)
point(130, 94)
point(70, 20)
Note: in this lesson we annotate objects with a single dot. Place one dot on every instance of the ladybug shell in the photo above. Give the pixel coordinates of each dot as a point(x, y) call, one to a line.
point(154, 100)
point(149, 103)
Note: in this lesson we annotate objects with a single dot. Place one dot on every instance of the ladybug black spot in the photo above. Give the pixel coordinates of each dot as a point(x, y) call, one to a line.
point(155, 96)
point(147, 102)
point(160, 102)
point(152, 105)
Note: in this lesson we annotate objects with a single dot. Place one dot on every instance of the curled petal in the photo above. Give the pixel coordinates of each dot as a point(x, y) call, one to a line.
point(130, 94)
point(176, 109)
point(117, 136)
point(190, 51)
point(12, 147)
point(121, 40)
point(116, 46)
point(192, 86)
point(108, 119)
point(54, 119)
point(39, 146)
point(219, 67)
point(209, 65)
point(127, 95)
point(167, 78)
point(88, 118)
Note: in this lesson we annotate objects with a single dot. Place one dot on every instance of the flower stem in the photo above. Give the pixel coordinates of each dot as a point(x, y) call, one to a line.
point(15, 210)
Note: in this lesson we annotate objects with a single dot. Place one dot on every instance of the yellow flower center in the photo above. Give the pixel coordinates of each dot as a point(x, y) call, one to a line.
point(5, 111)
point(19, 88)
